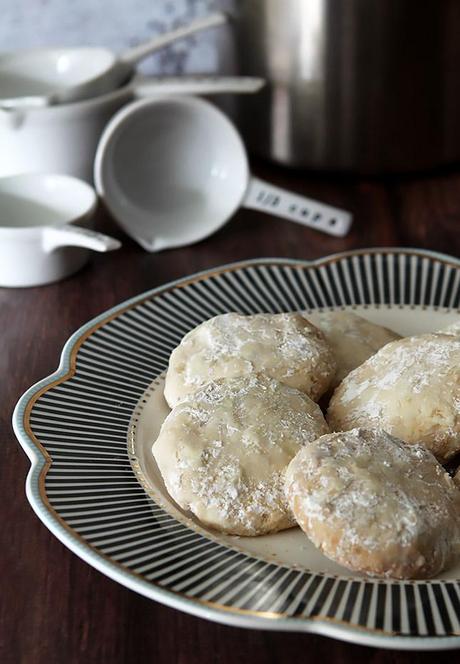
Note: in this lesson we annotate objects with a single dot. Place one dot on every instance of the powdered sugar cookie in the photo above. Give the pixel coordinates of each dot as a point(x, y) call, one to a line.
point(375, 504)
point(223, 451)
point(283, 346)
point(410, 388)
point(353, 339)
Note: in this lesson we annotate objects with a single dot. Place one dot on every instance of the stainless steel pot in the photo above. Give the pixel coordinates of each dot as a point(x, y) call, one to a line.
point(364, 85)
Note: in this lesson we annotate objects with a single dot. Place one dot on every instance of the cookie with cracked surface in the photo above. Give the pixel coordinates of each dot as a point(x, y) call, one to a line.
point(374, 504)
point(223, 452)
point(410, 388)
point(283, 346)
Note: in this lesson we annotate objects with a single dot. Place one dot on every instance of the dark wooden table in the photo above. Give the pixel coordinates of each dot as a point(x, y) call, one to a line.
point(53, 606)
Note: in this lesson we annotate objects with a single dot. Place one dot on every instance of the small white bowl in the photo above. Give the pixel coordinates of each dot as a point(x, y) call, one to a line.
point(170, 170)
point(38, 242)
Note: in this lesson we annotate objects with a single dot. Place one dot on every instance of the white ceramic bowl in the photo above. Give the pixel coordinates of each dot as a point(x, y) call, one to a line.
point(171, 170)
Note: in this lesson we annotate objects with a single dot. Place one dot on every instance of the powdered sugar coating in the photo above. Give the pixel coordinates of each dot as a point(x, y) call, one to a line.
point(282, 346)
point(411, 388)
point(375, 504)
point(352, 338)
point(223, 451)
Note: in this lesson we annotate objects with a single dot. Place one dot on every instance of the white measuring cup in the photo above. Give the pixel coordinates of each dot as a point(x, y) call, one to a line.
point(39, 242)
point(173, 170)
point(48, 76)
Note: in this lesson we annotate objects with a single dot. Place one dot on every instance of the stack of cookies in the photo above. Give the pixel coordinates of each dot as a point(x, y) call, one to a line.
point(247, 449)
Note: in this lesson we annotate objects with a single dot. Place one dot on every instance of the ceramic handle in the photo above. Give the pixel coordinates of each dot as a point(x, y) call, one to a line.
point(133, 55)
point(266, 197)
point(76, 236)
point(197, 85)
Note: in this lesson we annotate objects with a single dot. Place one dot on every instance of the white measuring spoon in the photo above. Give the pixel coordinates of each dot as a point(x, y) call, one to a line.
point(173, 171)
point(44, 77)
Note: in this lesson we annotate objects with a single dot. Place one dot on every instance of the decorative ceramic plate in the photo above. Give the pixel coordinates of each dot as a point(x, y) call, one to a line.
point(89, 427)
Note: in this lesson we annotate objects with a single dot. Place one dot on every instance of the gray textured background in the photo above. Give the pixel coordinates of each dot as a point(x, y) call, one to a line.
point(118, 24)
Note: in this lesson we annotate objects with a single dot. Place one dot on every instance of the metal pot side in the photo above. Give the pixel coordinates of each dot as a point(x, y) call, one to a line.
point(362, 85)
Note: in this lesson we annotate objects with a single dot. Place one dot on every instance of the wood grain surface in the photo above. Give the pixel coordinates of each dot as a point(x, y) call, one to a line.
point(54, 608)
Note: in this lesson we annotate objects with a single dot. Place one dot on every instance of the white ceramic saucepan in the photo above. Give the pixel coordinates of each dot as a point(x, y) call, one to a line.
point(48, 76)
point(63, 138)
point(39, 243)
point(174, 170)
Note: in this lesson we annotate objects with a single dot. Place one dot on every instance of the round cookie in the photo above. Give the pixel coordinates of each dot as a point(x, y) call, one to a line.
point(410, 388)
point(353, 339)
point(374, 504)
point(283, 346)
point(223, 452)
point(453, 328)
